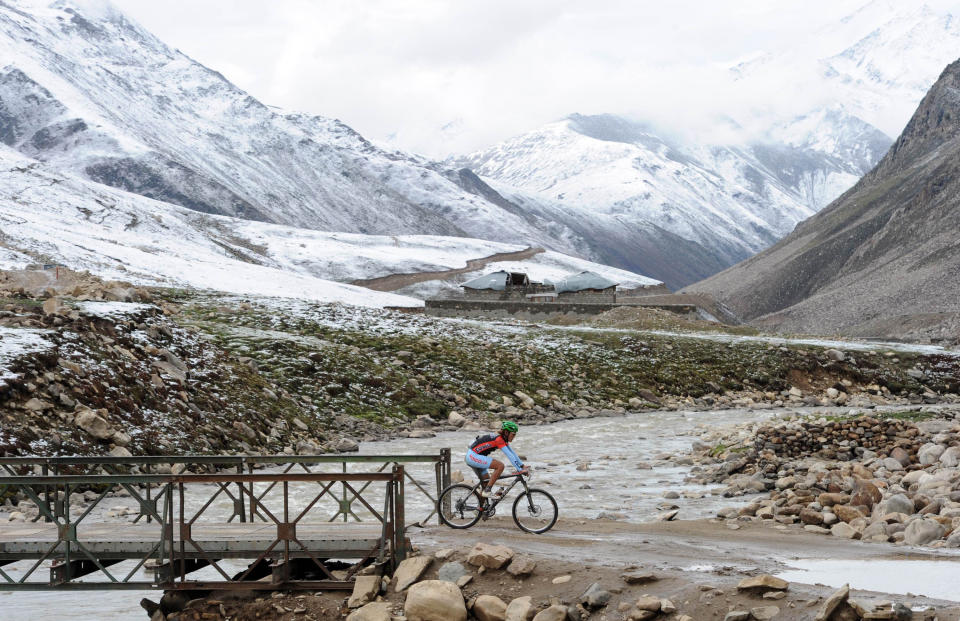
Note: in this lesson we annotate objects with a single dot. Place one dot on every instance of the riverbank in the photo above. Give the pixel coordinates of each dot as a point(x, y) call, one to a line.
point(695, 566)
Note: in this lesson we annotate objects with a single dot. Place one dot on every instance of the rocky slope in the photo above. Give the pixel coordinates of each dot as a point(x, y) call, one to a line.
point(882, 259)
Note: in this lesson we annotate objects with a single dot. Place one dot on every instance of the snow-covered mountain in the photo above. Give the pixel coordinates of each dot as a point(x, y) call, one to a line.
point(737, 190)
point(87, 91)
point(732, 200)
point(51, 217)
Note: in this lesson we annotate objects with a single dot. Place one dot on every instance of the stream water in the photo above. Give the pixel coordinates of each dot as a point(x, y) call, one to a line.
point(591, 466)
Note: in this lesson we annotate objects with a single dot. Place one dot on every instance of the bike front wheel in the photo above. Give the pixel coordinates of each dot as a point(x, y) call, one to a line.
point(535, 511)
point(459, 506)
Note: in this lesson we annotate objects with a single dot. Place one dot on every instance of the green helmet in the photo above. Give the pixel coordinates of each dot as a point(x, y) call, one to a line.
point(509, 426)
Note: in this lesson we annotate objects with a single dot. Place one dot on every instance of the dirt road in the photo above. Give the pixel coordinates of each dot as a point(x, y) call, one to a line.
point(698, 562)
point(398, 281)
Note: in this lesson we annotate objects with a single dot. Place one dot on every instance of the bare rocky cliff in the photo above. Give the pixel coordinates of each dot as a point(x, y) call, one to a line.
point(883, 259)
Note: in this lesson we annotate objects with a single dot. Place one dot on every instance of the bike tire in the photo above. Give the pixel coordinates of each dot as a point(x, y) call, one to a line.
point(463, 502)
point(541, 517)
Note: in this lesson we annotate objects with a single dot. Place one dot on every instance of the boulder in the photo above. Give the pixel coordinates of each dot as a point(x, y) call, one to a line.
point(839, 597)
point(374, 611)
point(923, 531)
point(410, 570)
point(865, 493)
point(900, 455)
point(951, 457)
point(489, 555)
point(553, 613)
point(638, 577)
point(96, 426)
point(648, 602)
point(365, 590)
point(456, 419)
point(489, 608)
point(435, 600)
point(520, 609)
point(521, 566)
point(764, 613)
point(763, 582)
point(737, 615)
point(898, 503)
point(844, 531)
point(810, 516)
point(930, 453)
point(120, 451)
point(846, 513)
point(595, 596)
point(451, 572)
point(891, 464)
point(836, 355)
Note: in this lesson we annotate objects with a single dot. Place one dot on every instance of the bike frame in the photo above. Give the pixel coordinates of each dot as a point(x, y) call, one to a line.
point(494, 500)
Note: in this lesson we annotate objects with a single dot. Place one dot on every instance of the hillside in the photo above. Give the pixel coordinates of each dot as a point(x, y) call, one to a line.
point(882, 260)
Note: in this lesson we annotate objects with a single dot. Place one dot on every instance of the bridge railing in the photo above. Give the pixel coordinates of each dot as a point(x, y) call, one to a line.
point(245, 507)
point(284, 513)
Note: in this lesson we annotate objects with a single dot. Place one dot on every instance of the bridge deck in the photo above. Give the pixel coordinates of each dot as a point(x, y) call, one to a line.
point(240, 540)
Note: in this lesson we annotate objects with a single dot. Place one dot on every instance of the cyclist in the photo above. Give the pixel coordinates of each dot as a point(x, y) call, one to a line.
point(478, 455)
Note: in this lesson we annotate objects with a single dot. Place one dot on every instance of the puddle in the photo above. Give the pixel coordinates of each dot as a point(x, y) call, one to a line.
point(935, 579)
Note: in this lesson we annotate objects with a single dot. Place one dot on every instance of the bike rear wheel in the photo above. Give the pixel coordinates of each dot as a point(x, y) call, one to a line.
point(458, 506)
point(535, 511)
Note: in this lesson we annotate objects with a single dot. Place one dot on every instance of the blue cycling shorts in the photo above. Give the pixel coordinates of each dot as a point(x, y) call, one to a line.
point(479, 463)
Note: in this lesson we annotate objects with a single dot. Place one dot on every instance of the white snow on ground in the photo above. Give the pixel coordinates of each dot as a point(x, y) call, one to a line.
point(111, 309)
point(15, 343)
point(49, 216)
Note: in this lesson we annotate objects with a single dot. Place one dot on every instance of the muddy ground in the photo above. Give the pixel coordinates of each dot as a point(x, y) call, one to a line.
point(589, 551)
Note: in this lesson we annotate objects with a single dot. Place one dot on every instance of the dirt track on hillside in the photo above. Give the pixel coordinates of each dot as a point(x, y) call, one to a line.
point(399, 281)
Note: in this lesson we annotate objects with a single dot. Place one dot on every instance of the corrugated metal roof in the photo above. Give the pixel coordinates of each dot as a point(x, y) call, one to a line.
point(584, 280)
point(496, 281)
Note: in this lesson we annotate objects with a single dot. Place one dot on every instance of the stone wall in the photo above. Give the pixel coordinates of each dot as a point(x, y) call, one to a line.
point(838, 439)
point(530, 310)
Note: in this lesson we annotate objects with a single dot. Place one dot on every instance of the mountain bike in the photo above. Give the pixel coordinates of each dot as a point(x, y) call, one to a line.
point(462, 506)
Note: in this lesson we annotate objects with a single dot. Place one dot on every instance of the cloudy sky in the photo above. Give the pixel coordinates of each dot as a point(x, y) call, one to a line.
point(442, 76)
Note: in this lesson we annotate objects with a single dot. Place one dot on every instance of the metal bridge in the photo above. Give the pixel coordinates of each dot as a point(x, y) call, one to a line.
point(210, 522)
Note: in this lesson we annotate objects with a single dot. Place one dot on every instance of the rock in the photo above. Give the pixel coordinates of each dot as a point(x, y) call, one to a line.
point(51, 306)
point(865, 493)
point(649, 603)
point(847, 513)
point(923, 531)
point(435, 600)
point(365, 589)
point(638, 577)
point(346, 445)
point(737, 615)
point(891, 464)
point(844, 531)
point(930, 453)
point(120, 451)
point(89, 421)
point(595, 596)
point(836, 355)
point(828, 499)
point(374, 611)
point(489, 555)
point(764, 613)
point(898, 503)
point(410, 570)
point(451, 572)
point(667, 607)
point(839, 597)
point(561, 580)
point(553, 613)
point(521, 566)
point(810, 516)
point(120, 438)
point(456, 419)
point(901, 456)
point(520, 609)
point(668, 516)
point(37, 405)
point(764, 581)
point(489, 608)
point(636, 614)
point(951, 457)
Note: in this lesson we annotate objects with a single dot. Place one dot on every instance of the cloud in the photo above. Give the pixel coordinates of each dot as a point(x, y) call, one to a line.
point(405, 69)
